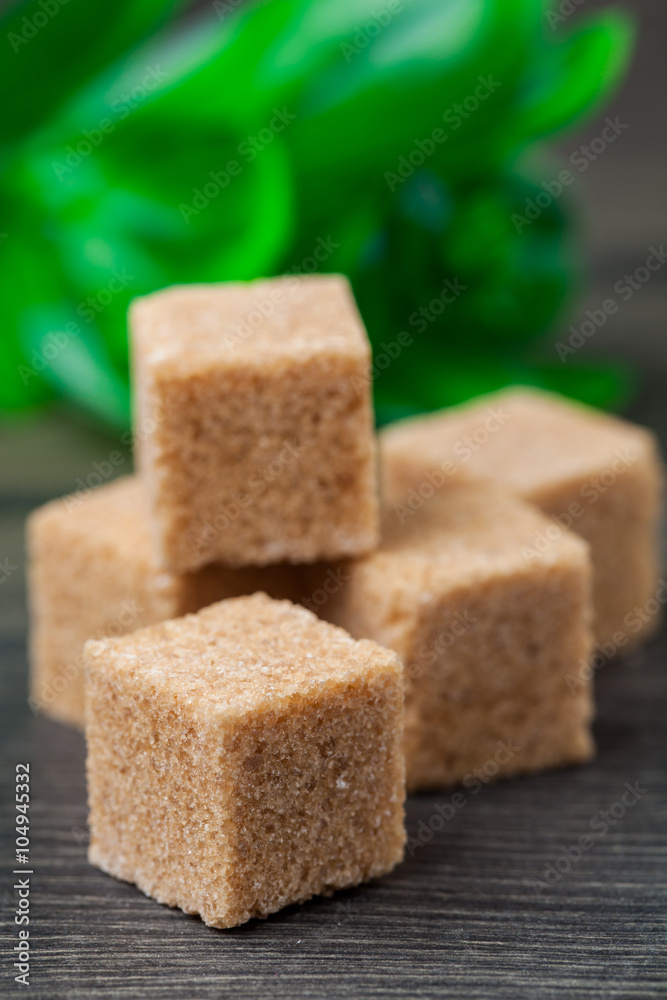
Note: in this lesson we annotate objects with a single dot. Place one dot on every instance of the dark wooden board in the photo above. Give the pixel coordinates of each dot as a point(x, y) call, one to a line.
point(462, 917)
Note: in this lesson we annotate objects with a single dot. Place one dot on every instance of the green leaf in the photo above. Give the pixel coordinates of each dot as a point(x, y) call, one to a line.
point(51, 48)
point(605, 386)
point(575, 77)
point(79, 366)
point(138, 196)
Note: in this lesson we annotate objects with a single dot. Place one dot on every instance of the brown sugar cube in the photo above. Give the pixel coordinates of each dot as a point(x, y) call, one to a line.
point(92, 574)
point(254, 421)
point(244, 758)
point(595, 474)
point(495, 643)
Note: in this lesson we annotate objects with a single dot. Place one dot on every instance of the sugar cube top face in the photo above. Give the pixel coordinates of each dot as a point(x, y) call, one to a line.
point(468, 531)
point(92, 573)
point(254, 421)
point(186, 329)
point(244, 758)
point(495, 637)
point(117, 513)
point(527, 440)
point(592, 473)
point(249, 654)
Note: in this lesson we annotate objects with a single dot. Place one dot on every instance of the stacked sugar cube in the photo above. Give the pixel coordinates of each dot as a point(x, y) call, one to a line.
point(254, 753)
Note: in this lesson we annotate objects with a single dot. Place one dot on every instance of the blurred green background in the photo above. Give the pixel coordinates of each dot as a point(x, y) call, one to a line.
point(401, 142)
